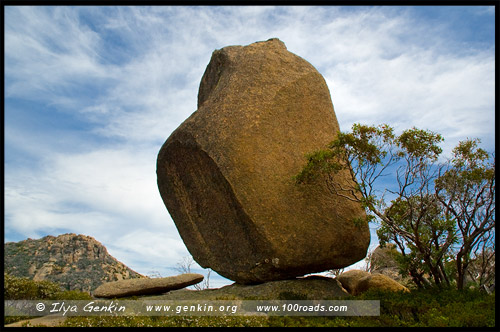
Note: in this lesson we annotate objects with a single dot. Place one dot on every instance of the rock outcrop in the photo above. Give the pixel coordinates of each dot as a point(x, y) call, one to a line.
point(378, 281)
point(350, 279)
point(146, 286)
point(383, 261)
point(306, 288)
point(384, 257)
point(76, 262)
point(226, 173)
point(357, 281)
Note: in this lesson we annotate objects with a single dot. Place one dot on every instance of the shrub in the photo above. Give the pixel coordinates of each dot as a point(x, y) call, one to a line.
point(420, 308)
point(435, 307)
point(16, 288)
point(72, 295)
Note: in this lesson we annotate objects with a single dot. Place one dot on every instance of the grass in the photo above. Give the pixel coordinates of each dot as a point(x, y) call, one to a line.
point(420, 308)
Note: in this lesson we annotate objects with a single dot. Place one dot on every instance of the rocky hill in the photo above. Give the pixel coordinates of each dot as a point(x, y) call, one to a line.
point(73, 261)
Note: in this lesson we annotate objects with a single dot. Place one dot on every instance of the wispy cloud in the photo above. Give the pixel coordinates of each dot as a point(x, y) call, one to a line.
point(93, 92)
point(48, 53)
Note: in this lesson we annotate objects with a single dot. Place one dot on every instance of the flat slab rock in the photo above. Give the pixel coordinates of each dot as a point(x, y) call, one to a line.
point(146, 286)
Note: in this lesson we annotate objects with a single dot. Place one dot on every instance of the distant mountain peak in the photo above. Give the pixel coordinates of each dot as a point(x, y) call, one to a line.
point(73, 261)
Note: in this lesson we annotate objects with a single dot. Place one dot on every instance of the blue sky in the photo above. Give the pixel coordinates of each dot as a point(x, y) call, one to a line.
point(91, 94)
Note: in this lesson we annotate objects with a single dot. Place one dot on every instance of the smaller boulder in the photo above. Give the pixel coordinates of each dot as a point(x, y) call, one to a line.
point(379, 281)
point(350, 279)
point(383, 260)
point(146, 286)
point(357, 281)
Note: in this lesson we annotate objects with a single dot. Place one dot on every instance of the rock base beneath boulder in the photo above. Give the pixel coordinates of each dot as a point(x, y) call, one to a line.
point(308, 288)
point(134, 287)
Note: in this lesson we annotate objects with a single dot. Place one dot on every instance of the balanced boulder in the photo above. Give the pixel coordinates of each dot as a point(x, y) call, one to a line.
point(146, 286)
point(226, 173)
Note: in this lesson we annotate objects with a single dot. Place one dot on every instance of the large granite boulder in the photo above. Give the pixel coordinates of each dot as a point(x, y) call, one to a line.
point(146, 286)
point(226, 173)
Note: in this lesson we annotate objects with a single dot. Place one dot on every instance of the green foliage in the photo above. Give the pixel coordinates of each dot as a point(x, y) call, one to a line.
point(365, 143)
point(16, 288)
point(437, 213)
point(72, 295)
point(433, 231)
point(470, 170)
point(466, 189)
point(318, 162)
point(420, 308)
point(420, 144)
point(160, 321)
point(436, 307)
point(361, 221)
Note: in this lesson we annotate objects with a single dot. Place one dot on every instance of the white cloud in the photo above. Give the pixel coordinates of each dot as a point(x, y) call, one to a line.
point(449, 95)
point(148, 248)
point(48, 51)
point(118, 183)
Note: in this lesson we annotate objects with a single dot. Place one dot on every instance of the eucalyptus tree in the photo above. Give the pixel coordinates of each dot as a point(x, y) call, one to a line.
point(434, 212)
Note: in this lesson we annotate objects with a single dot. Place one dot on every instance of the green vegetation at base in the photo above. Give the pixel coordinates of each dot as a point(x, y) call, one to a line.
point(160, 321)
point(428, 308)
point(16, 288)
point(420, 308)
